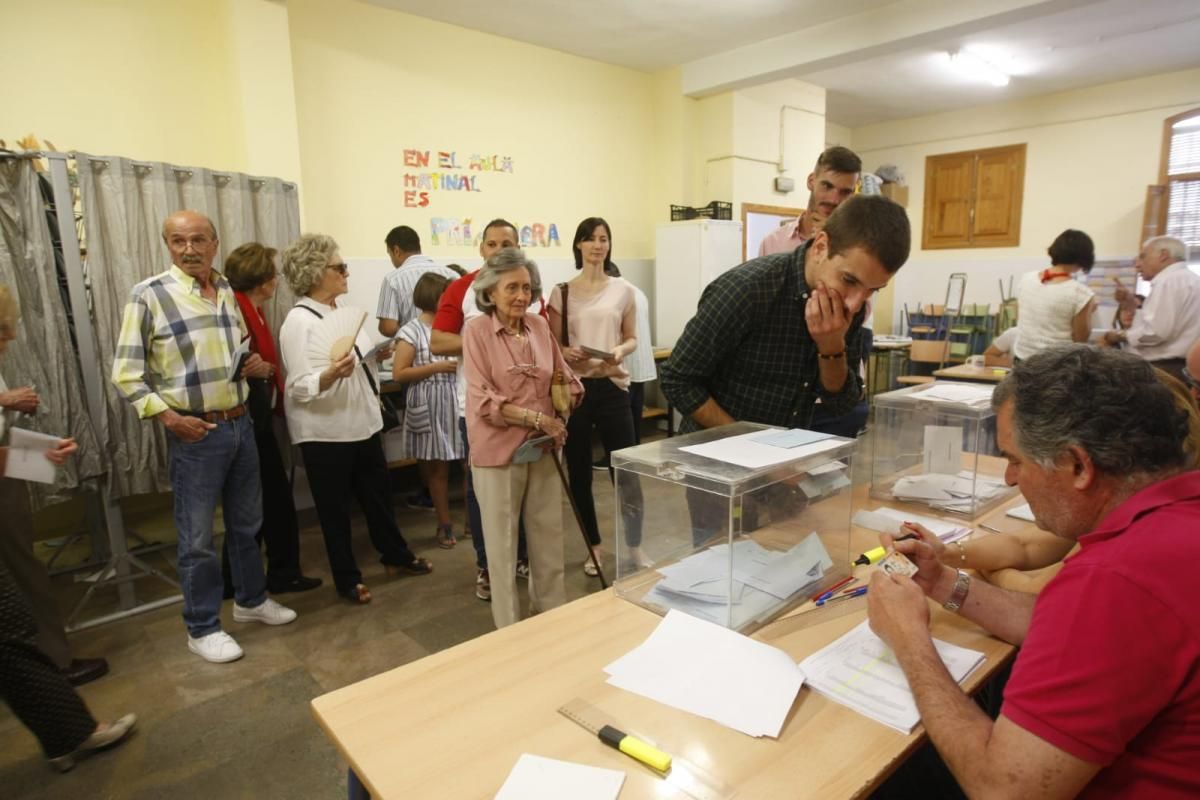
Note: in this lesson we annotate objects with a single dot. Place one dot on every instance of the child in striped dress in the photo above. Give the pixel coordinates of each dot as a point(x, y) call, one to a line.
point(431, 415)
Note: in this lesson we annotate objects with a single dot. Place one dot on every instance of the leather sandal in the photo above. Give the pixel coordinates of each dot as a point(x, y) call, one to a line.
point(358, 594)
point(418, 566)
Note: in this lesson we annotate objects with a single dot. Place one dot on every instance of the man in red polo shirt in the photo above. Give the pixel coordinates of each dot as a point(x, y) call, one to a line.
point(1104, 698)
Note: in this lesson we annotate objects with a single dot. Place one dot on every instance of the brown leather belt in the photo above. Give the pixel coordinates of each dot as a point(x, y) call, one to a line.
point(217, 416)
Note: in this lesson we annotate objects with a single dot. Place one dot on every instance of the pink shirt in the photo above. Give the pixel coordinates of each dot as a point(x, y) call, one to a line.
point(783, 239)
point(501, 368)
point(596, 322)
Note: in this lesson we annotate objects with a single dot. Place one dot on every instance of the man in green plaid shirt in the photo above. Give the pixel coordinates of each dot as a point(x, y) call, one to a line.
point(774, 334)
point(174, 362)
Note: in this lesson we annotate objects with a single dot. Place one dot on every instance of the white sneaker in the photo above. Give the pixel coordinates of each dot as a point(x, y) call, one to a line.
point(218, 647)
point(269, 613)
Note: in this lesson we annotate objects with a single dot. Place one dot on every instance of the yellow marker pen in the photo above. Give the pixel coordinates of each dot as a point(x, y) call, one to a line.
point(876, 555)
point(635, 748)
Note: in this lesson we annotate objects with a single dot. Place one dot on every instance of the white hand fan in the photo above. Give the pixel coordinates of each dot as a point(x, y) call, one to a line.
point(333, 336)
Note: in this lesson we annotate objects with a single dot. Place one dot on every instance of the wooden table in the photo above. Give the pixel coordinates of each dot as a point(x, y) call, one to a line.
point(966, 372)
point(453, 724)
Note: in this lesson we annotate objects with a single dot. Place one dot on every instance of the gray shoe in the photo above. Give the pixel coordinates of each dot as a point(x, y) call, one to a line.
point(112, 735)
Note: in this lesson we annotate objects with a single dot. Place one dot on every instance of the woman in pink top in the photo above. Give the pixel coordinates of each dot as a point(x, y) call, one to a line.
point(509, 359)
point(599, 316)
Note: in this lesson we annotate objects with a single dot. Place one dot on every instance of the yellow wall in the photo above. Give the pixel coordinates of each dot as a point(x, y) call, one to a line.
point(259, 51)
point(1091, 153)
point(372, 82)
point(149, 80)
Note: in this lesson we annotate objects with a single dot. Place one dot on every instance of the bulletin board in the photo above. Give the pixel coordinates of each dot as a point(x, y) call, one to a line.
point(758, 221)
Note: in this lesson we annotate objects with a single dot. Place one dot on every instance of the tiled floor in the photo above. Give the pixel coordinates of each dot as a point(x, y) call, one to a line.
point(244, 729)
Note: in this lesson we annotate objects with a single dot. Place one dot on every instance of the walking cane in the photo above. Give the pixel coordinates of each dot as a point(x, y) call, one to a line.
point(578, 519)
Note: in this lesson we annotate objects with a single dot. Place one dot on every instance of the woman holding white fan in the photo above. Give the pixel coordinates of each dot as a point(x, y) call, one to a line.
point(332, 405)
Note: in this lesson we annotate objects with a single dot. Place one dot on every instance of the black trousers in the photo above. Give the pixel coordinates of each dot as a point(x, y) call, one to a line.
point(280, 529)
point(36, 691)
point(337, 472)
point(605, 408)
point(637, 404)
point(29, 573)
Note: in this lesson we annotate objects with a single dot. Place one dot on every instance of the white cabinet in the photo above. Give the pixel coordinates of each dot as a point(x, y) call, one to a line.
point(687, 256)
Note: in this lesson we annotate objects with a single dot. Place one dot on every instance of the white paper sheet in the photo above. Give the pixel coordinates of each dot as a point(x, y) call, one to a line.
point(27, 456)
point(1021, 512)
point(795, 437)
point(860, 672)
point(744, 451)
point(540, 778)
point(976, 395)
point(943, 448)
point(887, 520)
point(713, 672)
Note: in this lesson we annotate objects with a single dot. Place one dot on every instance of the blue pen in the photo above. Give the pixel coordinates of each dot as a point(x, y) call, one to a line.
point(859, 592)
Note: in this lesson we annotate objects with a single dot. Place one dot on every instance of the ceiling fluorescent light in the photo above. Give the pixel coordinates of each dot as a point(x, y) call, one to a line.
point(973, 66)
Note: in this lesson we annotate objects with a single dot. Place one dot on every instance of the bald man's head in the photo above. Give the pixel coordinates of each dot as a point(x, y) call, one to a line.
point(192, 239)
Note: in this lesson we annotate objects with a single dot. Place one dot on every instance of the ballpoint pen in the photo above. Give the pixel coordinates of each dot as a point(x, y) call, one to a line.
point(827, 592)
point(859, 592)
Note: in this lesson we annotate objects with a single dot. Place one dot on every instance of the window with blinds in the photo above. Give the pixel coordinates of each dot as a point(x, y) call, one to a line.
point(1180, 216)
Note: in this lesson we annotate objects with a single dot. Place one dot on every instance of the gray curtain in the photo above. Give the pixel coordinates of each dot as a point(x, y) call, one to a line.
point(124, 204)
point(42, 354)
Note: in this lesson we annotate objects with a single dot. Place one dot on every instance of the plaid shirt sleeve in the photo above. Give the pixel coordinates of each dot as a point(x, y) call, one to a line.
point(710, 338)
point(129, 361)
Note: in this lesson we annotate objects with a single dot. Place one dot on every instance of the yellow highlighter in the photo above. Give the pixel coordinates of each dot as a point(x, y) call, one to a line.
point(635, 748)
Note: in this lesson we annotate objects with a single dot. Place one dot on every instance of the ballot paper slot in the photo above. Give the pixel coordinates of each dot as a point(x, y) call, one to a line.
point(935, 446)
point(735, 544)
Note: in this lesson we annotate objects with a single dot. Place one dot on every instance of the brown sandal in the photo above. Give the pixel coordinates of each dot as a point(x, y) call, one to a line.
point(418, 566)
point(359, 594)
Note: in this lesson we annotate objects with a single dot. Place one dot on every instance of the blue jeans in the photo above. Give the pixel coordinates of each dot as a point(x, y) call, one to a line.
point(473, 513)
point(221, 466)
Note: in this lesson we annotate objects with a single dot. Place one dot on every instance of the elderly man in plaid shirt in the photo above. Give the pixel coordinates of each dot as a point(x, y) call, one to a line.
point(174, 356)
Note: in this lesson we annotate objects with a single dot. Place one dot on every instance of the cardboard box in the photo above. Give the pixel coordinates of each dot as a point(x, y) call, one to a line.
point(895, 191)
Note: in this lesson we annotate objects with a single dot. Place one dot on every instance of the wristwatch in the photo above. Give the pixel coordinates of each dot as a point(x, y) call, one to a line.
point(962, 585)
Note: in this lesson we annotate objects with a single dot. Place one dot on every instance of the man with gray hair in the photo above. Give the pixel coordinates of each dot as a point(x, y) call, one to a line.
point(1169, 321)
point(1105, 692)
point(173, 362)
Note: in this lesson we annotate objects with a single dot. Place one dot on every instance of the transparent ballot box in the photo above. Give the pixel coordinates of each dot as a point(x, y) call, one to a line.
point(734, 525)
point(934, 445)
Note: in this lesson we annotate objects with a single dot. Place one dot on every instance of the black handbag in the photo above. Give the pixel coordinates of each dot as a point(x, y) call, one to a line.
point(262, 391)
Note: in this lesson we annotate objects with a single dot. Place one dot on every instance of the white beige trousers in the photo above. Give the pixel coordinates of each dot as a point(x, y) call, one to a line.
point(506, 494)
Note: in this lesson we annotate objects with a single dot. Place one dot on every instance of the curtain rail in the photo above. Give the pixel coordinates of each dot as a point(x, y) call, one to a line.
point(146, 165)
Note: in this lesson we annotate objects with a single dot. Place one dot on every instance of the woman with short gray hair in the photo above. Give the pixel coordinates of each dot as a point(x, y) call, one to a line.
point(509, 361)
point(333, 415)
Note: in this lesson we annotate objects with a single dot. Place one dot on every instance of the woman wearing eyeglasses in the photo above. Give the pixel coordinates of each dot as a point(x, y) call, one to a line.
point(333, 414)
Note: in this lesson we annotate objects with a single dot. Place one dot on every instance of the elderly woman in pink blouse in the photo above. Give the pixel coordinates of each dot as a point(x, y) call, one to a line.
point(509, 359)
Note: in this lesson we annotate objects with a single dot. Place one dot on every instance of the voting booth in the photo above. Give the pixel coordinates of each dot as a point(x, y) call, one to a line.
point(935, 445)
point(733, 525)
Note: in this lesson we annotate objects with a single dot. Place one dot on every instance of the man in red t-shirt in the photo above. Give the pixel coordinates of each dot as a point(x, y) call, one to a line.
point(1104, 698)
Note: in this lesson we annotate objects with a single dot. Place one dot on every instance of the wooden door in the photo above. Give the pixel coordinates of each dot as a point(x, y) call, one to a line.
point(948, 188)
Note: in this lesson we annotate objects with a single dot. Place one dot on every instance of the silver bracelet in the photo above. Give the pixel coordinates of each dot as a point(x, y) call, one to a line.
point(962, 585)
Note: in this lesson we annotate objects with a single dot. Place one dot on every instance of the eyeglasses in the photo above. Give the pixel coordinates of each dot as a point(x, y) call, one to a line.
point(341, 269)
